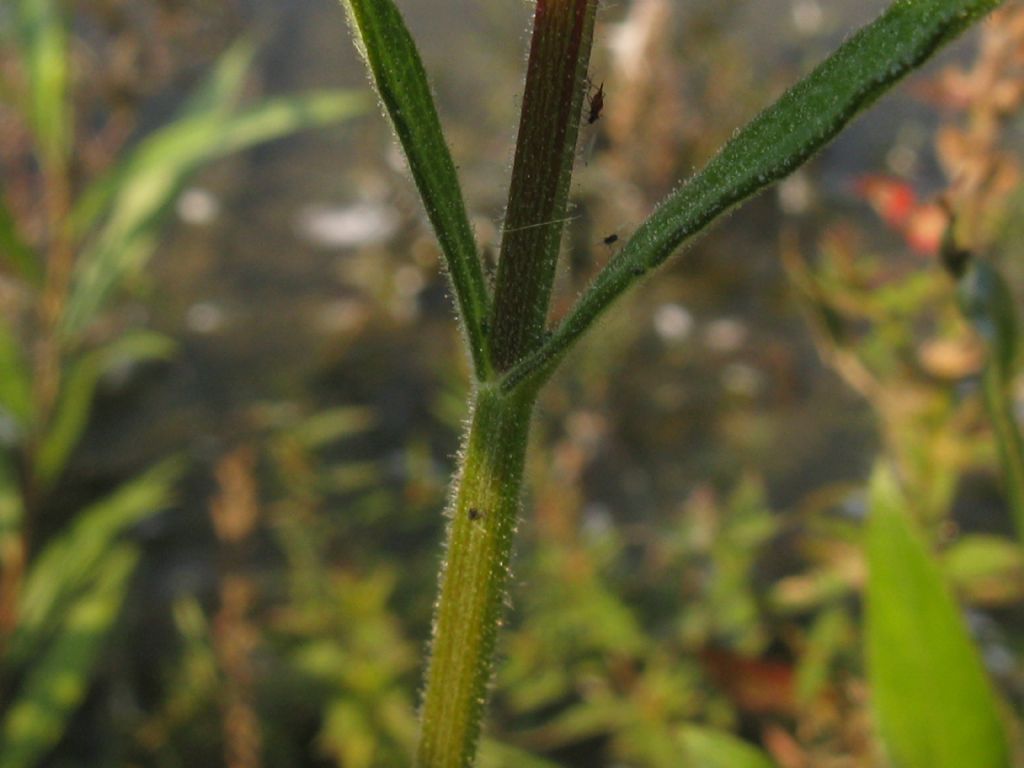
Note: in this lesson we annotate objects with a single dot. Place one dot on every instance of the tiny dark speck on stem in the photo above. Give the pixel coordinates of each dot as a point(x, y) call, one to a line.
point(474, 513)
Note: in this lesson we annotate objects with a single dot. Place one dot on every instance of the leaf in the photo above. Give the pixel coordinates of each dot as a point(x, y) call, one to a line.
point(710, 748)
point(985, 568)
point(56, 684)
point(14, 251)
point(932, 699)
point(401, 83)
point(770, 147)
point(12, 515)
point(496, 754)
point(15, 379)
point(218, 94)
point(154, 174)
point(42, 40)
point(69, 564)
point(76, 395)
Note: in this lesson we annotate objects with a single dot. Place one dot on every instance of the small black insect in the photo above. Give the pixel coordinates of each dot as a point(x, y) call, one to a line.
point(611, 239)
point(596, 105)
point(474, 513)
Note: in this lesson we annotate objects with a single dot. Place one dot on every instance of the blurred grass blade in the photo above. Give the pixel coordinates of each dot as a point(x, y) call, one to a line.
point(401, 82)
point(219, 94)
point(58, 681)
point(986, 301)
point(15, 379)
point(710, 748)
point(157, 171)
point(985, 569)
point(496, 754)
point(69, 564)
point(12, 514)
point(932, 699)
point(15, 253)
point(42, 40)
point(767, 149)
point(73, 407)
point(222, 90)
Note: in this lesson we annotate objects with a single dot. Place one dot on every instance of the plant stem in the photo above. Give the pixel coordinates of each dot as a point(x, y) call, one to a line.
point(1008, 440)
point(539, 192)
point(483, 513)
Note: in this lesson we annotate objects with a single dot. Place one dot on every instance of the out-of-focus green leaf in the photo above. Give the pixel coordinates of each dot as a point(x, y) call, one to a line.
point(986, 568)
point(331, 425)
point(988, 304)
point(15, 379)
point(219, 94)
point(14, 251)
point(69, 564)
point(768, 148)
point(42, 43)
point(495, 754)
point(155, 173)
point(830, 631)
point(398, 74)
point(710, 748)
point(77, 392)
point(11, 515)
point(222, 90)
point(57, 682)
point(932, 699)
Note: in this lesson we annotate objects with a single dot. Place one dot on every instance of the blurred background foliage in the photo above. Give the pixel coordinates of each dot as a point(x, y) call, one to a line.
point(230, 394)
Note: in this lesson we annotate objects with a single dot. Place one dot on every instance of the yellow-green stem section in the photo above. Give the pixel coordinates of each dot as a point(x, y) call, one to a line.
point(483, 510)
point(1008, 440)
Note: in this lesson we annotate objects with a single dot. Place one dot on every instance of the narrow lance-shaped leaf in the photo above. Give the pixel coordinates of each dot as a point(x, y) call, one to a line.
point(932, 699)
point(15, 379)
point(218, 94)
point(42, 40)
point(77, 393)
point(57, 683)
point(401, 82)
point(770, 147)
point(710, 748)
point(157, 171)
point(69, 563)
point(15, 253)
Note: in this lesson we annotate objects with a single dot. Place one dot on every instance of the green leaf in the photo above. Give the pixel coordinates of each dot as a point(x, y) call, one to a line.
point(219, 94)
point(401, 82)
point(496, 754)
point(76, 395)
point(985, 568)
point(932, 699)
point(710, 748)
point(57, 682)
point(143, 188)
point(15, 379)
point(14, 251)
point(12, 515)
point(69, 564)
point(42, 43)
point(767, 149)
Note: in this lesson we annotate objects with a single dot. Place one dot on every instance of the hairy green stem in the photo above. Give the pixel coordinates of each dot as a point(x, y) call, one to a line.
point(483, 513)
